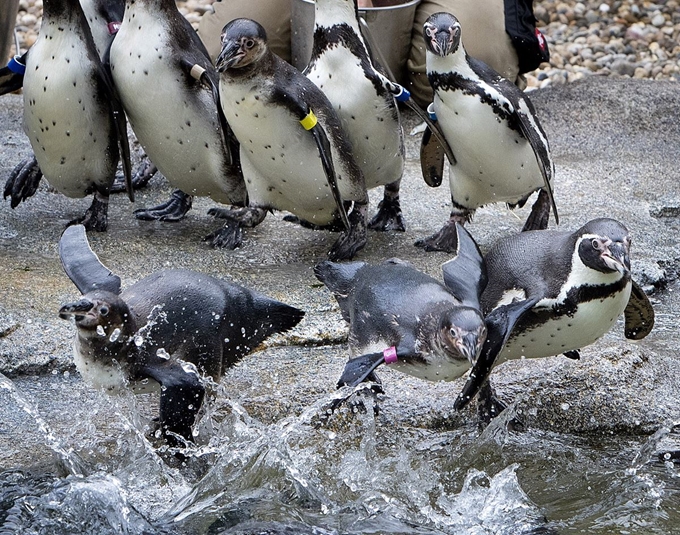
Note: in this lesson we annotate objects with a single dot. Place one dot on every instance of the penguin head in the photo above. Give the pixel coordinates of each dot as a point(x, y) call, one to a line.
point(462, 333)
point(441, 32)
point(244, 42)
point(99, 313)
point(604, 245)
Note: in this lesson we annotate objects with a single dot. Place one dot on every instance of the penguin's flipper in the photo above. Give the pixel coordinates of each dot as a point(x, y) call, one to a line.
point(23, 181)
point(182, 393)
point(499, 325)
point(465, 274)
point(339, 279)
point(82, 265)
point(431, 159)
point(639, 314)
point(321, 140)
point(433, 126)
point(359, 368)
point(12, 76)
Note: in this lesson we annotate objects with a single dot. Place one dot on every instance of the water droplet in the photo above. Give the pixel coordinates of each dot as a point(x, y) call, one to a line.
point(226, 340)
point(139, 340)
point(114, 335)
point(564, 406)
point(162, 353)
point(100, 330)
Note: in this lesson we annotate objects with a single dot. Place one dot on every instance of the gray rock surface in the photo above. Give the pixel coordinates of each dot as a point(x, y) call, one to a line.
point(616, 146)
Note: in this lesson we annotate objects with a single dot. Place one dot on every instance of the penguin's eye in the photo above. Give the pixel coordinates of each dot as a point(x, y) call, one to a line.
point(249, 43)
point(597, 244)
point(104, 311)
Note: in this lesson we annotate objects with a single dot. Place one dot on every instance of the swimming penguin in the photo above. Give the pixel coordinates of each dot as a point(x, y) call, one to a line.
point(294, 153)
point(552, 292)
point(72, 116)
point(170, 327)
point(168, 87)
point(368, 112)
point(402, 317)
point(501, 151)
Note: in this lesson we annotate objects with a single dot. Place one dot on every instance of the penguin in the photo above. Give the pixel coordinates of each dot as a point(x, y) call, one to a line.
point(553, 292)
point(168, 87)
point(402, 317)
point(501, 151)
point(169, 329)
point(104, 18)
point(72, 116)
point(294, 153)
point(368, 113)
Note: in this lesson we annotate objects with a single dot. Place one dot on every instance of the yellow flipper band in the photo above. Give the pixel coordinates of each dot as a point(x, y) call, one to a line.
point(197, 71)
point(309, 121)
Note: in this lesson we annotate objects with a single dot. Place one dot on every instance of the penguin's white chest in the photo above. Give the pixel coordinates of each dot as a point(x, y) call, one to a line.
point(562, 333)
point(173, 116)
point(369, 120)
point(68, 124)
point(494, 162)
point(280, 160)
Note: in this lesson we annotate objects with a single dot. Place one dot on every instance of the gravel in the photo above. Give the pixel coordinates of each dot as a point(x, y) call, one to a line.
point(629, 39)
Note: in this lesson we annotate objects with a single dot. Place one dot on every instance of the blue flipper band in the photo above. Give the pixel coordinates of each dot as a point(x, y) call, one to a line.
point(16, 66)
point(403, 94)
point(431, 113)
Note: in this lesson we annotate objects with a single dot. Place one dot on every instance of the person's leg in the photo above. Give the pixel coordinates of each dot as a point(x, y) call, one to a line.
point(274, 15)
point(483, 35)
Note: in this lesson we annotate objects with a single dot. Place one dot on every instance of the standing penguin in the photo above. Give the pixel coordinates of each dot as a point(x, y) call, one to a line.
point(294, 153)
point(170, 327)
point(104, 18)
point(552, 292)
point(368, 112)
point(400, 316)
point(168, 87)
point(501, 151)
point(72, 116)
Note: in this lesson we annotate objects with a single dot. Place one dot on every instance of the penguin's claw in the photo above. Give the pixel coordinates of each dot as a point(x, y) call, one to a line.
point(230, 236)
point(389, 217)
point(95, 217)
point(335, 226)
point(143, 174)
point(347, 245)
point(23, 181)
point(174, 209)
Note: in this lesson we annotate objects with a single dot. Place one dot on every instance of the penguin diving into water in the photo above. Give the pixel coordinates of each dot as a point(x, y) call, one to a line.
point(294, 153)
point(553, 292)
point(402, 317)
point(501, 151)
point(72, 116)
point(168, 87)
point(171, 328)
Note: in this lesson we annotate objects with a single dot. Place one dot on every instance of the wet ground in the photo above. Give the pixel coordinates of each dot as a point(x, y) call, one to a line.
point(418, 467)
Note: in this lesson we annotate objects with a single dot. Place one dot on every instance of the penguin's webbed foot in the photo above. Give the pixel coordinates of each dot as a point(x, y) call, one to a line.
point(96, 217)
point(230, 236)
point(23, 181)
point(248, 216)
point(352, 240)
point(389, 216)
point(540, 213)
point(489, 406)
point(174, 209)
point(446, 240)
point(140, 180)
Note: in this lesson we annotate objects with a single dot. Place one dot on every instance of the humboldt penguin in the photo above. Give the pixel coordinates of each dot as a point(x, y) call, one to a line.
point(552, 292)
point(501, 151)
point(294, 153)
point(168, 87)
point(72, 116)
point(170, 328)
point(402, 317)
point(368, 112)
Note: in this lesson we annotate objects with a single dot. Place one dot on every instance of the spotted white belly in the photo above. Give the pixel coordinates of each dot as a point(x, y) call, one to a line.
point(68, 126)
point(494, 163)
point(280, 160)
point(375, 135)
point(177, 125)
point(565, 333)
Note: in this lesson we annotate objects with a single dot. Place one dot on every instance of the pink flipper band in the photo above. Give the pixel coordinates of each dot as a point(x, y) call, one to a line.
point(113, 27)
point(390, 355)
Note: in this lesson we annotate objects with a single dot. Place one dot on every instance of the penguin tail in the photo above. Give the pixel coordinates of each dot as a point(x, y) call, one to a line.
point(282, 317)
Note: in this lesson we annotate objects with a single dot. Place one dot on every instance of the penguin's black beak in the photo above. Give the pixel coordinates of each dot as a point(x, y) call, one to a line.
point(442, 36)
point(230, 55)
point(617, 256)
point(76, 309)
point(469, 346)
